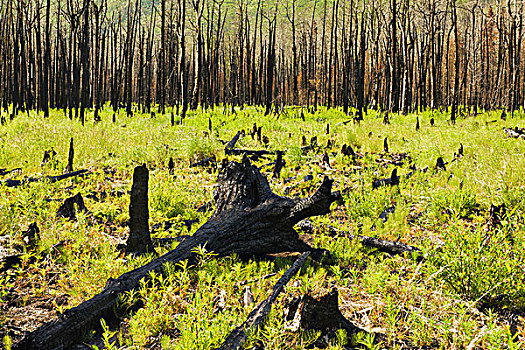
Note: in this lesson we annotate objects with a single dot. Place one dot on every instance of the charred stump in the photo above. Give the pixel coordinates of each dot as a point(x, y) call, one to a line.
point(30, 236)
point(67, 209)
point(171, 166)
point(139, 240)
point(49, 156)
point(249, 220)
point(279, 164)
point(322, 314)
point(393, 180)
point(71, 155)
point(496, 214)
point(440, 164)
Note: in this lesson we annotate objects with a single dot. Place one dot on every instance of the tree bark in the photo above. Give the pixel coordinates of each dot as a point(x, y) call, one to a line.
point(139, 240)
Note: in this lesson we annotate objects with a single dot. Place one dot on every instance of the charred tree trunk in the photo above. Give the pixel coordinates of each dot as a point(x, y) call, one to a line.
point(270, 66)
point(85, 63)
point(139, 240)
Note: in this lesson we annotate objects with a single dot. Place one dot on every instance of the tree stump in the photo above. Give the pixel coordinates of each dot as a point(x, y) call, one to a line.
point(67, 209)
point(139, 240)
point(71, 155)
point(249, 220)
point(320, 314)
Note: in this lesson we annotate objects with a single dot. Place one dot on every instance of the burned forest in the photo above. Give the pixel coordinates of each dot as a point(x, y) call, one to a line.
point(248, 174)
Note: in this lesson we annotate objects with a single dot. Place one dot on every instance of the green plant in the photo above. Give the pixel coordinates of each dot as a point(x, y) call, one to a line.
point(107, 336)
point(481, 265)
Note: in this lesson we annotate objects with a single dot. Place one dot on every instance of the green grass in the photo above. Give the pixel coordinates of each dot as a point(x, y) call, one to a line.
point(460, 297)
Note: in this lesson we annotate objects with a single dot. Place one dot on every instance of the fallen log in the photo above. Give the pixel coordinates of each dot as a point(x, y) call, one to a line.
point(515, 133)
point(391, 247)
point(4, 171)
point(251, 153)
point(210, 161)
point(249, 220)
point(232, 142)
point(258, 315)
point(52, 179)
point(383, 216)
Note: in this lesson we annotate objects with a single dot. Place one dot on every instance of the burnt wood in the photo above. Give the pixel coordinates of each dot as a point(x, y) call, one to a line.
point(71, 155)
point(17, 183)
point(139, 239)
point(256, 318)
point(67, 209)
point(386, 246)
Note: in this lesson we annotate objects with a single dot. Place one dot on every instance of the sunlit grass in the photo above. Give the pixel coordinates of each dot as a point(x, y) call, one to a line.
point(436, 303)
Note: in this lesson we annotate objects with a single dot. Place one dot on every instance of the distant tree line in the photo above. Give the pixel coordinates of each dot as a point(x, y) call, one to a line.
point(395, 55)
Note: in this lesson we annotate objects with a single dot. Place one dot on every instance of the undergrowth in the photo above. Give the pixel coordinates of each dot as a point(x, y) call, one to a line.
point(468, 293)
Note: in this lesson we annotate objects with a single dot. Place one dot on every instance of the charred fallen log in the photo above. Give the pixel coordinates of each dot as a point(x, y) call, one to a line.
point(231, 145)
point(517, 133)
point(249, 220)
point(253, 154)
point(4, 171)
point(17, 183)
point(210, 161)
point(256, 318)
point(391, 247)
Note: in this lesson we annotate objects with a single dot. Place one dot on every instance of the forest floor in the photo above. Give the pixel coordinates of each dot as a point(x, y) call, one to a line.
point(468, 292)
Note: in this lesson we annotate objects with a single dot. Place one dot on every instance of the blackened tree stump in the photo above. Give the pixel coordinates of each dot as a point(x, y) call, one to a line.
point(321, 314)
point(71, 155)
point(139, 240)
point(249, 220)
point(67, 209)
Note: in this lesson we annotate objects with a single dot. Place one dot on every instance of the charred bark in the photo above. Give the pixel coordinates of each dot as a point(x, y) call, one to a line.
point(139, 240)
point(321, 313)
point(17, 183)
point(67, 209)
